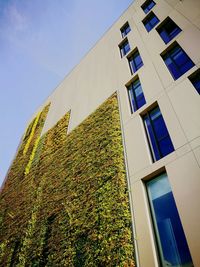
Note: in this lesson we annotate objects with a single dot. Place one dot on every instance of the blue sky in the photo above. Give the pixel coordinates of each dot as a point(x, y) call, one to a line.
point(40, 42)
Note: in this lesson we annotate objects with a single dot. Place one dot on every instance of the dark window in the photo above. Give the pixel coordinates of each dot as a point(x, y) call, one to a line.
point(125, 30)
point(177, 61)
point(135, 61)
point(195, 80)
point(124, 48)
point(150, 21)
point(148, 5)
point(169, 232)
point(136, 96)
point(157, 133)
point(168, 30)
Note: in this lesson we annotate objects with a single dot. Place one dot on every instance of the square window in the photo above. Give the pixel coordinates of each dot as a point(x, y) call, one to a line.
point(150, 21)
point(169, 233)
point(124, 48)
point(158, 137)
point(135, 61)
point(177, 61)
point(136, 95)
point(148, 5)
point(195, 80)
point(125, 30)
point(168, 30)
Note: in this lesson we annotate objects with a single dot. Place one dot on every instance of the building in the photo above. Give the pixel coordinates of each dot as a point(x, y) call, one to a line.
point(107, 173)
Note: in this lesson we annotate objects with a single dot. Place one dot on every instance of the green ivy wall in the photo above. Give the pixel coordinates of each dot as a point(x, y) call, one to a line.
point(65, 200)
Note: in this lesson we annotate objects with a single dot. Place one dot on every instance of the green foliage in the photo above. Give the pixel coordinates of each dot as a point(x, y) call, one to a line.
point(78, 210)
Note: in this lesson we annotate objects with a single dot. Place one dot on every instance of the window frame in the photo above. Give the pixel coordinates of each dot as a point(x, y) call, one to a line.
point(122, 46)
point(147, 21)
point(154, 144)
point(132, 96)
point(131, 58)
point(124, 28)
point(169, 54)
point(192, 79)
point(152, 213)
point(163, 27)
point(145, 6)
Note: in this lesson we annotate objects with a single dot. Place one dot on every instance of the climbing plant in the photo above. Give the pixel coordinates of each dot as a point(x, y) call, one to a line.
point(78, 210)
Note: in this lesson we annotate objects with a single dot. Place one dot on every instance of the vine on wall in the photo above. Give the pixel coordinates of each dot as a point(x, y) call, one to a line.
point(80, 210)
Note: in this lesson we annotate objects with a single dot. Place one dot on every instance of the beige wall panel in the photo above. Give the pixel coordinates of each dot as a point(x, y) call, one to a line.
point(147, 254)
point(173, 125)
point(189, 8)
point(184, 175)
point(190, 42)
point(197, 154)
point(136, 145)
point(186, 103)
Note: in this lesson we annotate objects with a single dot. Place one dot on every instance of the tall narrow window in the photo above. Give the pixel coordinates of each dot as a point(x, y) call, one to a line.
point(125, 30)
point(195, 80)
point(177, 61)
point(124, 48)
point(169, 232)
point(157, 133)
point(136, 96)
point(135, 61)
point(148, 5)
point(150, 21)
point(168, 30)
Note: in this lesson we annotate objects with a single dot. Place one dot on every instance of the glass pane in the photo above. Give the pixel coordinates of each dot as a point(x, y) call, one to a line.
point(132, 99)
point(154, 20)
point(166, 146)
point(171, 239)
point(151, 138)
point(148, 26)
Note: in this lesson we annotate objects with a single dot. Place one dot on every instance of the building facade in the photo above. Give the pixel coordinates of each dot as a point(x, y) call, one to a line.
point(142, 77)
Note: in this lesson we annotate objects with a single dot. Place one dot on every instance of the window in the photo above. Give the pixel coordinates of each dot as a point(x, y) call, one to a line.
point(136, 96)
point(148, 5)
point(124, 48)
point(177, 61)
point(169, 232)
point(150, 21)
point(125, 30)
point(195, 80)
point(168, 30)
point(135, 61)
point(157, 133)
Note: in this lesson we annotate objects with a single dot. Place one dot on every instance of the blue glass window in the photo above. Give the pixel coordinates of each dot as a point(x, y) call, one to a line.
point(148, 5)
point(150, 21)
point(125, 30)
point(177, 61)
point(135, 61)
point(170, 235)
point(157, 133)
point(195, 80)
point(168, 30)
point(136, 96)
point(124, 48)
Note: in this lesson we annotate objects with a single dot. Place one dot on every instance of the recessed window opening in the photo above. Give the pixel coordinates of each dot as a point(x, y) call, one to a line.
point(148, 5)
point(168, 30)
point(157, 134)
point(135, 61)
point(136, 95)
point(172, 244)
point(125, 29)
point(124, 48)
point(177, 61)
point(150, 21)
point(195, 80)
